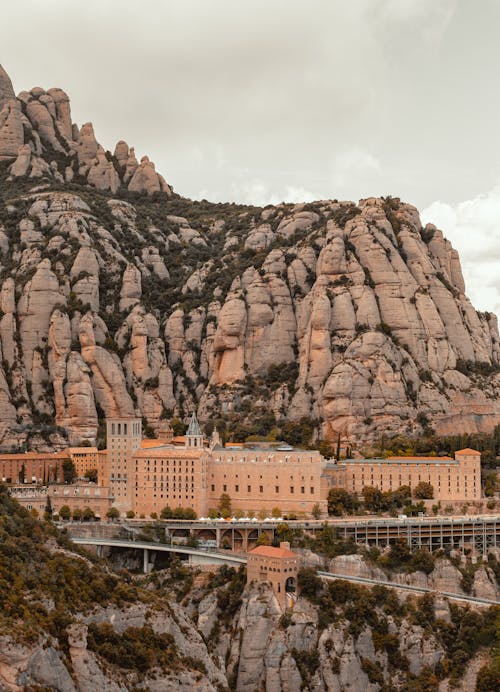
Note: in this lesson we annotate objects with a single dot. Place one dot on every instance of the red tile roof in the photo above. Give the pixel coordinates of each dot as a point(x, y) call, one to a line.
point(417, 458)
point(269, 551)
point(468, 450)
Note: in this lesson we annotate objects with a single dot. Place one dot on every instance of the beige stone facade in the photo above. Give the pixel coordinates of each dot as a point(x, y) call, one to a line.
point(258, 480)
point(276, 566)
point(39, 467)
point(169, 476)
point(123, 436)
point(84, 459)
point(451, 479)
point(75, 496)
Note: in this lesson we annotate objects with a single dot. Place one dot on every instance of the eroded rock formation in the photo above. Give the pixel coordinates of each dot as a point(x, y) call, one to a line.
point(351, 315)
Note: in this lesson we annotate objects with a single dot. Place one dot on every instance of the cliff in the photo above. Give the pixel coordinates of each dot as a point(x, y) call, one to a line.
point(69, 623)
point(117, 295)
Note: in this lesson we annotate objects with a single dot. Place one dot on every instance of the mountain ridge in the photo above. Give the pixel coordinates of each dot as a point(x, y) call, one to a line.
point(119, 297)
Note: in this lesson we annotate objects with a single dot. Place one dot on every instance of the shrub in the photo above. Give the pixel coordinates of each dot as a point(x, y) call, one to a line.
point(424, 491)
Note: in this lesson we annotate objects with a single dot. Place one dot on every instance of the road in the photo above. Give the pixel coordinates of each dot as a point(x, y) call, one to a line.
point(237, 560)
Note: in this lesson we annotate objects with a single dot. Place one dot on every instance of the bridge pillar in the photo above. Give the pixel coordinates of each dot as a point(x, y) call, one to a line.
point(218, 533)
point(145, 563)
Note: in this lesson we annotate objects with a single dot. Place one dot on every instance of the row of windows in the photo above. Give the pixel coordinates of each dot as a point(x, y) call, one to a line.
point(261, 489)
point(117, 428)
point(292, 477)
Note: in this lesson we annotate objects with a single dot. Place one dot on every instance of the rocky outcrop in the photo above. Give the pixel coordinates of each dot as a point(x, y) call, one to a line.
point(351, 315)
point(37, 131)
point(6, 88)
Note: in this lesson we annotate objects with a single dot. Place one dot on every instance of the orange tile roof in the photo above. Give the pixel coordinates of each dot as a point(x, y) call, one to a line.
point(168, 452)
point(468, 450)
point(417, 458)
point(82, 450)
point(270, 551)
point(47, 456)
point(145, 444)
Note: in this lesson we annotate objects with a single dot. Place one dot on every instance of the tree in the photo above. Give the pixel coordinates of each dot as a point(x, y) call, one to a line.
point(424, 491)
point(337, 453)
point(276, 512)
point(178, 426)
point(91, 475)
point(153, 515)
point(263, 539)
point(88, 514)
point(22, 474)
point(48, 509)
point(65, 513)
point(166, 513)
point(224, 505)
point(77, 514)
point(372, 498)
point(340, 501)
point(422, 560)
point(183, 513)
point(325, 449)
point(316, 511)
point(130, 514)
point(310, 585)
point(490, 484)
point(69, 471)
point(113, 513)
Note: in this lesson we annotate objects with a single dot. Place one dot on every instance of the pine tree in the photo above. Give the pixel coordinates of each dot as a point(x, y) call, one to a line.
point(337, 454)
point(48, 509)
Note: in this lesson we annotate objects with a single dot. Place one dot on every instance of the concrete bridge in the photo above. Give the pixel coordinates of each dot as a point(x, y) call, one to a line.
point(200, 557)
point(435, 533)
point(195, 557)
point(478, 533)
point(329, 576)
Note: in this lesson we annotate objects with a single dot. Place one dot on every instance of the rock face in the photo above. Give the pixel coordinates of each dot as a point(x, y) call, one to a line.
point(36, 130)
point(6, 88)
point(351, 315)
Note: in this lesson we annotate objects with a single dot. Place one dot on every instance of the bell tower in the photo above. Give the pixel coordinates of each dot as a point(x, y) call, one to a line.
point(123, 438)
point(194, 436)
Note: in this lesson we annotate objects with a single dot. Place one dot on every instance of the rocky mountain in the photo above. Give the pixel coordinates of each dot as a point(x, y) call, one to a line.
point(68, 622)
point(118, 295)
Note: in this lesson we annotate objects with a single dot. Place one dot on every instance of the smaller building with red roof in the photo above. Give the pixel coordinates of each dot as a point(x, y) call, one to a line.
point(276, 566)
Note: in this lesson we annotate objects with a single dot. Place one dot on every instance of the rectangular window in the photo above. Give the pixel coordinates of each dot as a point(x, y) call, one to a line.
point(249, 488)
point(261, 488)
point(302, 489)
point(213, 488)
point(236, 488)
point(276, 488)
point(292, 490)
point(224, 487)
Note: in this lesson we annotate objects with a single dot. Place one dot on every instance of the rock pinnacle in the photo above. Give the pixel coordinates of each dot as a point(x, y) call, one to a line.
point(6, 89)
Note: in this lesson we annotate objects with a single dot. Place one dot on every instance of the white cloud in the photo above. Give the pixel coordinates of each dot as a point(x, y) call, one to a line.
point(473, 227)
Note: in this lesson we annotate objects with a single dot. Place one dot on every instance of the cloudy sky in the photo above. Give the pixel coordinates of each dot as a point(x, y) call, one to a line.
point(270, 100)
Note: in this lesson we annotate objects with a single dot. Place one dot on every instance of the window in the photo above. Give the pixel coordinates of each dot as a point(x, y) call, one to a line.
point(213, 487)
point(224, 487)
point(236, 488)
point(249, 488)
point(292, 490)
point(276, 488)
point(302, 489)
point(261, 488)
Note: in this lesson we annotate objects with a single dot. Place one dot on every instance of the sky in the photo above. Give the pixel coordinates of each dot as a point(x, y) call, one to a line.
point(290, 100)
